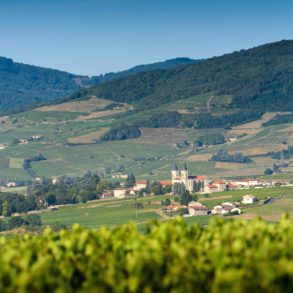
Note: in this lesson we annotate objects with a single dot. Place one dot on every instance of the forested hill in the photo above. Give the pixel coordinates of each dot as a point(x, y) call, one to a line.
point(170, 63)
point(24, 86)
point(260, 77)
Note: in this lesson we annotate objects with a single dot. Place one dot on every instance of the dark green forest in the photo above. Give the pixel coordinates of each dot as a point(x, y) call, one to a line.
point(24, 86)
point(260, 78)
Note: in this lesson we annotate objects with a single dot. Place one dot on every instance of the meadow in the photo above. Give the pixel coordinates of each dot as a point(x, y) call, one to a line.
point(112, 213)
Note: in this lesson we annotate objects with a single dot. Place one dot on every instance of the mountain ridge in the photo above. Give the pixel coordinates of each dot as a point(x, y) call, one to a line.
point(260, 77)
point(24, 86)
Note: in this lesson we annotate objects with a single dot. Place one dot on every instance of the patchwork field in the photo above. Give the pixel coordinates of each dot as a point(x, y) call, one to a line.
point(69, 132)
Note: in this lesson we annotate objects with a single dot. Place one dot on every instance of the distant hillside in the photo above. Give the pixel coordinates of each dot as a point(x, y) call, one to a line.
point(259, 78)
point(171, 63)
point(25, 86)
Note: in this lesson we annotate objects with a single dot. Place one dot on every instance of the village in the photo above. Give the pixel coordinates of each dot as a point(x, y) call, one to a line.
point(181, 183)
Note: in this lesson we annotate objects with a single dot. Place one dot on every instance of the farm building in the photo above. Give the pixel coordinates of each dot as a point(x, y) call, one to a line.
point(249, 199)
point(225, 208)
point(197, 209)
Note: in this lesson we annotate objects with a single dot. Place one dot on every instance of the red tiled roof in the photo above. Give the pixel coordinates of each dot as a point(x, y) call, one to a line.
point(197, 177)
point(166, 182)
point(141, 182)
point(213, 186)
point(218, 181)
point(199, 208)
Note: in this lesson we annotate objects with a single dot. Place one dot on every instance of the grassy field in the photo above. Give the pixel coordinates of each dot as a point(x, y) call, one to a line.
point(119, 211)
point(60, 124)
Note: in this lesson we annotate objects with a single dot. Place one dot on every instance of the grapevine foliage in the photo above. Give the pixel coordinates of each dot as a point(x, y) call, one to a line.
point(233, 256)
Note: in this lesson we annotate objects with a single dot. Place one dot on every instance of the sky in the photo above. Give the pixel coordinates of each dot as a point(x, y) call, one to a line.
point(91, 37)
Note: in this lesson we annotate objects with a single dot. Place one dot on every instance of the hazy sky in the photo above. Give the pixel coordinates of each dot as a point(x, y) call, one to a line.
point(98, 36)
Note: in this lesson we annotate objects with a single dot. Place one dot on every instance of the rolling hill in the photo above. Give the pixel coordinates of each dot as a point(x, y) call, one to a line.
point(232, 102)
point(170, 63)
point(258, 78)
point(24, 87)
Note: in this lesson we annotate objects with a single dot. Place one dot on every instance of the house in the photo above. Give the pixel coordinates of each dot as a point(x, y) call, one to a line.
point(231, 186)
point(197, 209)
point(166, 183)
point(120, 176)
point(172, 207)
point(249, 199)
point(232, 139)
point(220, 184)
point(225, 208)
point(120, 192)
point(11, 184)
point(183, 177)
point(3, 146)
point(140, 184)
point(55, 181)
point(23, 141)
point(108, 194)
point(36, 137)
point(211, 188)
point(246, 183)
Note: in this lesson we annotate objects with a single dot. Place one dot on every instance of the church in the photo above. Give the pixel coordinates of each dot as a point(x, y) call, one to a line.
point(183, 177)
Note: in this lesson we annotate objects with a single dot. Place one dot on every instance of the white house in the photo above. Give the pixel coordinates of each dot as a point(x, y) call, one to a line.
point(249, 199)
point(246, 183)
point(220, 184)
point(120, 192)
point(225, 208)
point(11, 184)
point(140, 184)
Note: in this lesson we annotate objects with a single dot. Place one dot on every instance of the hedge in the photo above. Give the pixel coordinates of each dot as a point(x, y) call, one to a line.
point(225, 256)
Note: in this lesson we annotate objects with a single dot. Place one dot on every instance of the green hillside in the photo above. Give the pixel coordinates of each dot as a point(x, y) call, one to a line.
point(24, 87)
point(258, 78)
point(170, 63)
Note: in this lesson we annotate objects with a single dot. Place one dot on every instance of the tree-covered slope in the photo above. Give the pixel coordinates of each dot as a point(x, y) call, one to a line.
point(260, 77)
point(170, 63)
point(24, 86)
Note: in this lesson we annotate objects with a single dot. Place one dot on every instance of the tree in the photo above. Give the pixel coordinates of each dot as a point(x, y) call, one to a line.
point(102, 186)
point(130, 181)
point(186, 198)
point(33, 220)
point(155, 188)
point(5, 209)
point(179, 188)
point(268, 171)
point(51, 199)
point(166, 202)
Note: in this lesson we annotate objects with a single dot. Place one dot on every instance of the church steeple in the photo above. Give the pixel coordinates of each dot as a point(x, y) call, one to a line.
point(175, 168)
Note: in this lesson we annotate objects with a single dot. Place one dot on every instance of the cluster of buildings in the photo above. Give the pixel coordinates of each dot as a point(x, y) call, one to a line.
point(202, 184)
point(121, 192)
point(192, 183)
point(198, 209)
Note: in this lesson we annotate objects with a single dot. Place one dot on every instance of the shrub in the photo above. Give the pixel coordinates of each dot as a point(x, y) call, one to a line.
point(233, 256)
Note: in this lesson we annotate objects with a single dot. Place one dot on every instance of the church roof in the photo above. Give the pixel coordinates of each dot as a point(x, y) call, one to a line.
point(175, 168)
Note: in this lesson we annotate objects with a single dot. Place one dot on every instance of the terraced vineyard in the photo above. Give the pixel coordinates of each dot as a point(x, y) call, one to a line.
point(70, 131)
